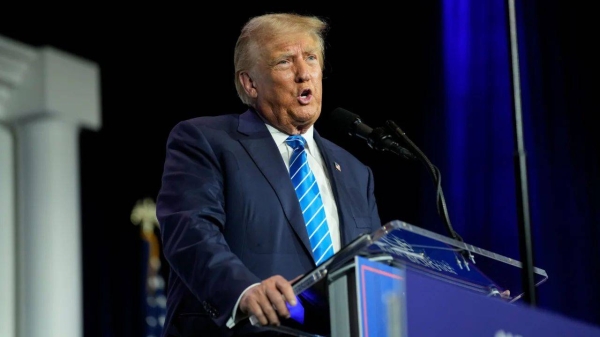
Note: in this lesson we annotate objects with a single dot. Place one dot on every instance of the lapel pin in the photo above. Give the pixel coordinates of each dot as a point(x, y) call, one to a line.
point(337, 167)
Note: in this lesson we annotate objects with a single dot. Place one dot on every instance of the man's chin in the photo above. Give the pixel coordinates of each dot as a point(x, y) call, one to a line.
point(307, 116)
point(303, 125)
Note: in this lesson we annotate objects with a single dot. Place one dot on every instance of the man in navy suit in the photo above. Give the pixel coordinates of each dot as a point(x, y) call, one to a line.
point(232, 228)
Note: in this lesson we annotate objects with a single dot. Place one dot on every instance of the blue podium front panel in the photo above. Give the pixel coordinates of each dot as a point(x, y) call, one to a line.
point(380, 298)
point(436, 308)
point(403, 302)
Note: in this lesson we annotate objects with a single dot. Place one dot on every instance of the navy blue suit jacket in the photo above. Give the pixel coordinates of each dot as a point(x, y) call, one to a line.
point(229, 215)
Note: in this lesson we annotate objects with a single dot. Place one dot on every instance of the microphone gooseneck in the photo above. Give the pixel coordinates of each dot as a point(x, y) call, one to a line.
point(382, 139)
point(442, 209)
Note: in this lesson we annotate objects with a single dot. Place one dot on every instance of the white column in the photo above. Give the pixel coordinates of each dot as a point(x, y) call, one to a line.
point(8, 306)
point(49, 234)
point(46, 96)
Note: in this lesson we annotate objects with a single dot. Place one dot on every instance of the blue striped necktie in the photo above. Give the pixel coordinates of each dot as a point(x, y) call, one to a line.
point(311, 203)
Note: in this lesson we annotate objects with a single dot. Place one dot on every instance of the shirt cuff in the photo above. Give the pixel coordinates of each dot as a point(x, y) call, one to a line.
point(233, 320)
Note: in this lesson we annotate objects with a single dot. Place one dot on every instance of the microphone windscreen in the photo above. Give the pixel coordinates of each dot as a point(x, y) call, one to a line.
point(343, 119)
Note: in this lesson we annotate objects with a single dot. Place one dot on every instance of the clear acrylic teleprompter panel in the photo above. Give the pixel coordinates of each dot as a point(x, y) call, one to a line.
point(438, 256)
point(413, 247)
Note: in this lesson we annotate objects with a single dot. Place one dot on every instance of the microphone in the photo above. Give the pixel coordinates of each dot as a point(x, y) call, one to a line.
point(377, 138)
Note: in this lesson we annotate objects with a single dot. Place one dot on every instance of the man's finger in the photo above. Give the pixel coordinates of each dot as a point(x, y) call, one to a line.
point(255, 309)
point(268, 310)
point(286, 289)
point(278, 302)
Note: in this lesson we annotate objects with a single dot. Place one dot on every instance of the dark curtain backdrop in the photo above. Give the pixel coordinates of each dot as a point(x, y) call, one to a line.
point(471, 140)
point(560, 67)
point(439, 69)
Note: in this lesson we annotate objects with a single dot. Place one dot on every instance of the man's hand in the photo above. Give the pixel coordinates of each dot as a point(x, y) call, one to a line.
point(267, 300)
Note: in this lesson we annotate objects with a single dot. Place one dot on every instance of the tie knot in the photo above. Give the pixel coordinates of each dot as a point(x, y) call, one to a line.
point(296, 141)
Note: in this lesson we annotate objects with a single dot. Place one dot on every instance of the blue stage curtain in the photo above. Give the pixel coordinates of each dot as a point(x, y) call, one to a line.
point(470, 137)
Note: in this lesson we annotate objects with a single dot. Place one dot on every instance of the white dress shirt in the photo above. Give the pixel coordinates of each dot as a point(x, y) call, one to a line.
point(317, 165)
point(315, 161)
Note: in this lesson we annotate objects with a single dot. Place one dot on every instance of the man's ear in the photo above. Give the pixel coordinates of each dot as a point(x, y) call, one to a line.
point(248, 84)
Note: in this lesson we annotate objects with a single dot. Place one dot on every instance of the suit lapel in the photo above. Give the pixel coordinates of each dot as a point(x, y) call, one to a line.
point(338, 187)
point(262, 149)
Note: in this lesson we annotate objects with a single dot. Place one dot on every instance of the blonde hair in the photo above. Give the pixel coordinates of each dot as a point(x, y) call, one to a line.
point(264, 28)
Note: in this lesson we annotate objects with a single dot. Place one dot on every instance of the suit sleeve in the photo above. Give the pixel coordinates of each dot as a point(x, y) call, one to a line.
point(191, 213)
point(375, 219)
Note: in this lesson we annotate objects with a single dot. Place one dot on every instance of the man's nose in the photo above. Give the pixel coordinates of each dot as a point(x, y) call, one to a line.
point(302, 71)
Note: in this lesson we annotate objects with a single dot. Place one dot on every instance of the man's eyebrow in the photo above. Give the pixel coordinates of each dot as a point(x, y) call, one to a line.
point(274, 59)
point(285, 54)
point(312, 50)
point(288, 54)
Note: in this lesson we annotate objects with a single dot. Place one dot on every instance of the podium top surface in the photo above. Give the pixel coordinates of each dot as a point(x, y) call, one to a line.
point(452, 261)
point(436, 256)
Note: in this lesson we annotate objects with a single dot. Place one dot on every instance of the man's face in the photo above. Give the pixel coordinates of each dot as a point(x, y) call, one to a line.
point(287, 82)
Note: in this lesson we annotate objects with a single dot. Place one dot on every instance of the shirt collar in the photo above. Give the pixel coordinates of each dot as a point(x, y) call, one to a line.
point(280, 137)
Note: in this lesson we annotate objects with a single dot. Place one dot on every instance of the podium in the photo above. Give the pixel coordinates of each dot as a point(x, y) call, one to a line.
point(403, 280)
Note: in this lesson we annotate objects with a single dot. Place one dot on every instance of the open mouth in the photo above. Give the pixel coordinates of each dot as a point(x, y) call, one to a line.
point(305, 96)
point(305, 93)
